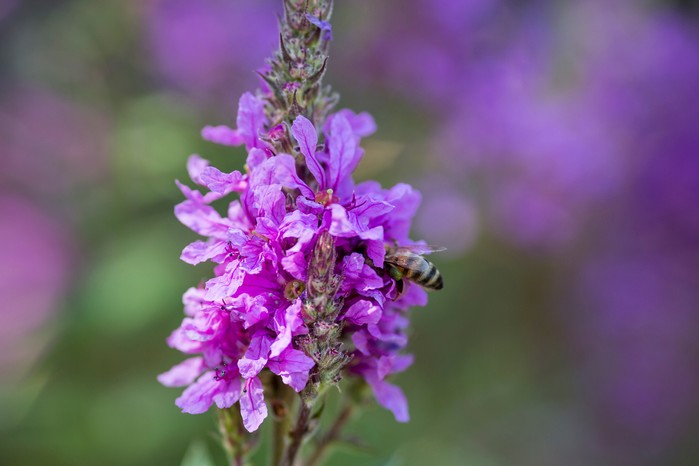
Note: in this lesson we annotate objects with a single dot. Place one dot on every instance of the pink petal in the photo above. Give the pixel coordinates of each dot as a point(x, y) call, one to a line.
point(183, 373)
point(252, 405)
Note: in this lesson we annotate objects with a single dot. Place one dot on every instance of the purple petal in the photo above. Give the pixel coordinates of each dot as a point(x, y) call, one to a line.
point(254, 310)
point(226, 285)
point(308, 206)
point(229, 393)
point(390, 397)
point(367, 210)
point(292, 322)
point(267, 201)
point(255, 158)
point(200, 251)
point(394, 363)
point(375, 249)
point(198, 397)
point(293, 367)
point(359, 276)
point(296, 265)
point(252, 405)
point(406, 201)
point(183, 373)
point(361, 341)
point(223, 135)
point(344, 155)
point(279, 170)
point(363, 312)
point(251, 118)
point(324, 26)
point(222, 183)
point(305, 134)
point(196, 165)
point(193, 300)
point(179, 340)
point(256, 356)
point(362, 124)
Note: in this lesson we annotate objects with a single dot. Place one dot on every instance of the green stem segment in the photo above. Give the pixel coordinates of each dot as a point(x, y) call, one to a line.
point(298, 434)
point(333, 435)
point(233, 436)
point(281, 403)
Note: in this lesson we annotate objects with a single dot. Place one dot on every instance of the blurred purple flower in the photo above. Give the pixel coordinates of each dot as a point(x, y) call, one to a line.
point(34, 274)
point(462, 230)
point(49, 144)
point(636, 331)
point(210, 45)
point(6, 7)
point(639, 291)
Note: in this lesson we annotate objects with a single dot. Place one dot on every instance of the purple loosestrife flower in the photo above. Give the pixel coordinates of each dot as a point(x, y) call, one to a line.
point(299, 289)
point(248, 316)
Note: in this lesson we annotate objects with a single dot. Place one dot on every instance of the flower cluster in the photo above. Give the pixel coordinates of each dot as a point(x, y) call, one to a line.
point(299, 287)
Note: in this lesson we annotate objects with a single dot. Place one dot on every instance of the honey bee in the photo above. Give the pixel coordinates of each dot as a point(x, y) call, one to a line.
point(403, 263)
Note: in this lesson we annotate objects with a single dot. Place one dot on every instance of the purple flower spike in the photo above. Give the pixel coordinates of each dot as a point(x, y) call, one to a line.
point(300, 294)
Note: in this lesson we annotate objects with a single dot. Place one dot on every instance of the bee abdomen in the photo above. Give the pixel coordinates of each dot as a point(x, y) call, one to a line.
point(428, 276)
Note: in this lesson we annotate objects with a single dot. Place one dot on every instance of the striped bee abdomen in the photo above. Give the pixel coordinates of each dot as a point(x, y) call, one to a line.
point(417, 269)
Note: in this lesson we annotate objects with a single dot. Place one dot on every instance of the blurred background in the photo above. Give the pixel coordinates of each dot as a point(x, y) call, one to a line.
point(556, 144)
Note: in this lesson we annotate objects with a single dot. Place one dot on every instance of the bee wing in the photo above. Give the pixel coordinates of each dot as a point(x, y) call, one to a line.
point(422, 248)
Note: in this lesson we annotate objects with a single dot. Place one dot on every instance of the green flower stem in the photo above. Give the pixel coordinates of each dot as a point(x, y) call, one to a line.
point(282, 401)
point(233, 436)
point(309, 396)
point(334, 433)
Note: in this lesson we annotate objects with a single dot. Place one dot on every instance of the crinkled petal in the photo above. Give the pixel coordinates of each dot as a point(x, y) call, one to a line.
point(363, 312)
point(293, 367)
point(361, 338)
point(255, 158)
point(344, 155)
point(305, 134)
point(222, 183)
point(252, 404)
point(251, 119)
point(226, 285)
point(292, 322)
point(223, 135)
point(196, 165)
point(390, 397)
point(229, 393)
point(279, 170)
point(183, 373)
point(200, 251)
point(198, 397)
point(179, 340)
point(256, 356)
point(296, 265)
point(193, 300)
point(362, 124)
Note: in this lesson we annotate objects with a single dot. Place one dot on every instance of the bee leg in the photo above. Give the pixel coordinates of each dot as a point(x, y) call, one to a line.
point(400, 287)
point(397, 275)
point(394, 272)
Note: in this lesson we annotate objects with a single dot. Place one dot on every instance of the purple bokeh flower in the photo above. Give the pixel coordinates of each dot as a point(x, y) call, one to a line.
point(34, 275)
point(50, 145)
point(209, 44)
